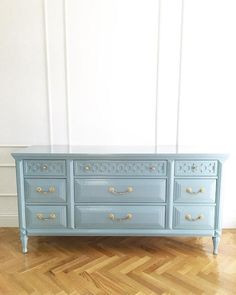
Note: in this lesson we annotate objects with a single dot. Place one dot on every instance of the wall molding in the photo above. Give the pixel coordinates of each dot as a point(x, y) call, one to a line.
point(157, 70)
point(180, 78)
point(47, 72)
point(8, 220)
point(67, 94)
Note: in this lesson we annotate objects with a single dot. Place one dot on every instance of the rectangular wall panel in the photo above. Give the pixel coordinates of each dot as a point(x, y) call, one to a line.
point(23, 103)
point(112, 55)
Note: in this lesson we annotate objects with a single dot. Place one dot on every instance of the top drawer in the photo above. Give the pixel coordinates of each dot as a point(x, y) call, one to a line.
point(44, 167)
point(120, 168)
point(195, 168)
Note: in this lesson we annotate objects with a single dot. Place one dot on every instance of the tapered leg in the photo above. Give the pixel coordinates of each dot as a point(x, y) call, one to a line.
point(216, 241)
point(24, 241)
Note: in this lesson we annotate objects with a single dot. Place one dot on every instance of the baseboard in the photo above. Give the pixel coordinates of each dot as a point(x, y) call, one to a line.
point(8, 220)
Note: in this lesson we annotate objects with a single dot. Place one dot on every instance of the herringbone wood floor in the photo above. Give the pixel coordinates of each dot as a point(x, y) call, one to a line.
point(117, 265)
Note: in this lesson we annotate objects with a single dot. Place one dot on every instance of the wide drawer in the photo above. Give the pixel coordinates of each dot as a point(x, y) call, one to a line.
point(194, 217)
point(195, 168)
point(120, 217)
point(195, 190)
point(46, 216)
point(119, 168)
point(120, 190)
point(44, 167)
point(45, 190)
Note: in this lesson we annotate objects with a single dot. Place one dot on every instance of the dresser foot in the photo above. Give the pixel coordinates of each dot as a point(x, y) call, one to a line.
point(24, 242)
point(216, 241)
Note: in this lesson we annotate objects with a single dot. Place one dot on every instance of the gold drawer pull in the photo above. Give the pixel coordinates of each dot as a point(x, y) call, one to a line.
point(44, 167)
point(87, 168)
point(190, 218)
point(51, 216)
point(40, 190)
point(114, 218)
point(189, 190)
point(152, 168)
point(114, 191)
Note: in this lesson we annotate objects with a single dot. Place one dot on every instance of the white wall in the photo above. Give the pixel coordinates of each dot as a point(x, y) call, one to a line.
point(127, 72)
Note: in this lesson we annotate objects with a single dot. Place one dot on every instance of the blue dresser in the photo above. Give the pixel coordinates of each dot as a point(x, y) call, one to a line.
point(65, 191)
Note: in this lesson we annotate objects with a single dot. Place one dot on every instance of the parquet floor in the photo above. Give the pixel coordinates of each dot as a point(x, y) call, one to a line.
point(117, 265)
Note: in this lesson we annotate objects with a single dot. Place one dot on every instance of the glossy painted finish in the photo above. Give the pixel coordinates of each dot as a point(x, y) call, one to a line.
point(44, 167)
point(120, 190)
point(140, 217)
point(48, 190)
point(45, 220)
point(120, 168)
point(194, 217)
point(195, 190)
point(196, 168)
point(118, 193)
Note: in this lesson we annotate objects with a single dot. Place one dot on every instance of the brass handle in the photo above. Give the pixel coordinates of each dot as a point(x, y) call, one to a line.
point(44, 167)
point(51, 216)
point(114, 218)
point(51, 189)
point(194, 167)
point(114, 191)
point(190, 218)
point(189, 190)
point(87, 168)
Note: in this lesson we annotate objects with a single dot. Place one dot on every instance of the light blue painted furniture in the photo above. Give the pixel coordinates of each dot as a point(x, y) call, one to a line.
point(74, 191)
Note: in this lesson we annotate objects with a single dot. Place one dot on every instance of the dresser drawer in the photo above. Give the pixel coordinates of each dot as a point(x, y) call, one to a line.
point(44, 167)
point(46, 216)
point(195, 168)
point(120, 217)
point(45, 190)
point(119, 168)
point(195, 190)
point(194, 217)
point(120, 190)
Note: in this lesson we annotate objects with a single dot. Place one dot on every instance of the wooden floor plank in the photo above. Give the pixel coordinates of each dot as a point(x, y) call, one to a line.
point(117, 265)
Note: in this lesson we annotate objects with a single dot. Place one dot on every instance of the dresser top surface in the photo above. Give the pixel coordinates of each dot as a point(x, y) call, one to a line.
point(116, 151)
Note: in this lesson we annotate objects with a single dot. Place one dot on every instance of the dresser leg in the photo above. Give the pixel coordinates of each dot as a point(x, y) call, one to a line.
point(216, 241)
point(24, 241)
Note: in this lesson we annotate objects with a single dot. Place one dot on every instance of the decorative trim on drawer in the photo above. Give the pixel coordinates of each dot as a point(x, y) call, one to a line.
point(194, 217)
point(45, 190)
point(196, 168)
point(46, 216)
point(195, 190)
point(120, 168)
point(120, 217)
point(44, 167)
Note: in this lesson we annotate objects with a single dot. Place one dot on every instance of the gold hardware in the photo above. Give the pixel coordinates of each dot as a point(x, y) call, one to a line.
point(114, 218)
point(194, 167)
point(189, 190)
point(152, 168)
point(113, 190)
point(189, 217)
point(51, 216)
point(51, 189)
point(45, 167)
point(87, 167)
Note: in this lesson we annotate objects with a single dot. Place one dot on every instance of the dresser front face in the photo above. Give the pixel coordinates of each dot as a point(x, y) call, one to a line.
point(102, 196)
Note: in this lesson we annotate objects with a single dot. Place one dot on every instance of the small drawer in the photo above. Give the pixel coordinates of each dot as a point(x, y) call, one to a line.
point(44, 167)
point(119, 168)
point(45, 190)
point(46, 216)
point(195, 190)
point(196, 168)
point(194, 217)
point(120, 217)
point(120, 190)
